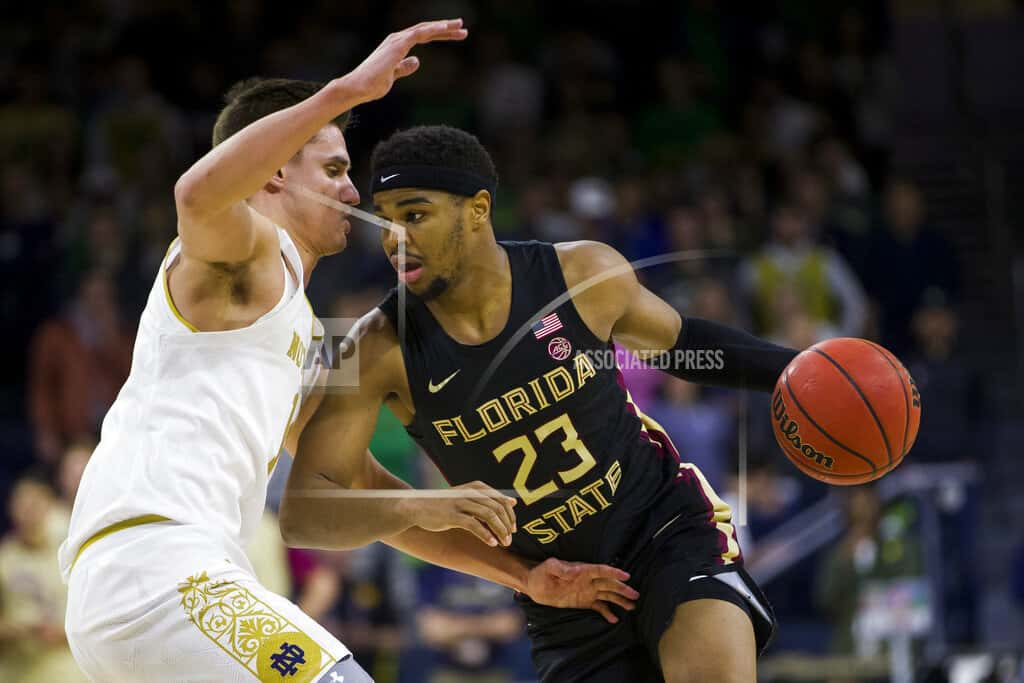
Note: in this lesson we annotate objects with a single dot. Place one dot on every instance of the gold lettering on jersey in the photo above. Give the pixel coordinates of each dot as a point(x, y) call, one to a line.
point(444, 429)
point(588, 501)
point(595, 490)
point(297, 350)
point(535, 385)
point(493, 415)
point(518, 403)
point(613, 476)
point(584, 368)
point(466, 436)
point(560, 389)
point(556, 514)
point(579, 509)
point(542, 531)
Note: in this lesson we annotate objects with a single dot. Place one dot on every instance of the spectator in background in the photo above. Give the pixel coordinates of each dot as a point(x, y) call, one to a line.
point(793, 264)
point(28, 250)
point(377, 591)
point(906, 259)
point(33, 598)
point(69, 475)
point(707, 429)
point(672, 130)
point(592, 202)
point(949, 386)
point(845, 173)
point(78, 363)
point(638, 227)
point(843, 222)
point(677, 281)
point(471, 629)
point(778, 122)
point(878, 545)
point(773, 496)
point(134, 132)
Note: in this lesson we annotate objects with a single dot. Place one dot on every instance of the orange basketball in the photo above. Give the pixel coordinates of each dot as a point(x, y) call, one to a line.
point(845, 411)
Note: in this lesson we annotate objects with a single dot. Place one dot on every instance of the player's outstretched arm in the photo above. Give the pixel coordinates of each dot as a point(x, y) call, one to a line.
point(214, 222)
point(614, 304)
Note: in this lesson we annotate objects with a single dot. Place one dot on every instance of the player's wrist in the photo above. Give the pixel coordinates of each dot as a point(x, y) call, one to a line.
point(408, 510)
point(521, 573)
point(346, 92)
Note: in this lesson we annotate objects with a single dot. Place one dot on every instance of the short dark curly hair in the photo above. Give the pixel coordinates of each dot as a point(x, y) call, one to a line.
point(254, 98)
point(435, 146)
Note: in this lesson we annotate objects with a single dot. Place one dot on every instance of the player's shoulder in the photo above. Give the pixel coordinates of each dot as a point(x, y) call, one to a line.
point(595, 263)
point(374, 332)
point(601, 280)
point(373, 340)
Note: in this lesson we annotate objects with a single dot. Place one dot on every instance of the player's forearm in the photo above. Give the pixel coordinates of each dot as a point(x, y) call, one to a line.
point(238, 167)
point(317, 519)
point(463, 552)
point(707, 352)
point(456, 549)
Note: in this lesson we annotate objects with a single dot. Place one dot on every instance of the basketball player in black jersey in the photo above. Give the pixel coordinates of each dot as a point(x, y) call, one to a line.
point(500, 369)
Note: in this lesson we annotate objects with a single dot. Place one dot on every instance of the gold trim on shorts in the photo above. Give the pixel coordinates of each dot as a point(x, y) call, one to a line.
point(115, 527)
point(251, 632)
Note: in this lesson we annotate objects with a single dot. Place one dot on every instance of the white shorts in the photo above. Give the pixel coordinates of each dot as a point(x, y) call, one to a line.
point(166, 602)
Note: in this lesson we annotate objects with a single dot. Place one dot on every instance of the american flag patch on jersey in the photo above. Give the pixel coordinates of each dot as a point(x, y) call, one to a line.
point(546, 325)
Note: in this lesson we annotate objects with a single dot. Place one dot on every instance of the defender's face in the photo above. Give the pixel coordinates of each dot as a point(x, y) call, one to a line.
point(322, 166)
point(432, 237)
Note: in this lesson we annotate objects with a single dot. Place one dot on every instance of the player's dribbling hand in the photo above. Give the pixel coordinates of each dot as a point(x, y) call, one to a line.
point(476, 507)
point(390, 61)
point(583, 586)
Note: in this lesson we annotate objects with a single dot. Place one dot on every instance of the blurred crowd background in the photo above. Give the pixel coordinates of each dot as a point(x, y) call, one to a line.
point(854, 168)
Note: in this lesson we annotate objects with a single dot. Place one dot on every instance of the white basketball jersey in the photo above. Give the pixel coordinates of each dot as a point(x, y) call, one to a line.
point(196, 429)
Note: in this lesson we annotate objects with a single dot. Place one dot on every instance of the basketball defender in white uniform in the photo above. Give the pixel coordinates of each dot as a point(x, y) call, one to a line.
point(159, 587)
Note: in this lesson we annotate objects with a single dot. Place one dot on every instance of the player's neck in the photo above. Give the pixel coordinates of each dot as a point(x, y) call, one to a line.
point(476, 308)
point(307, 256)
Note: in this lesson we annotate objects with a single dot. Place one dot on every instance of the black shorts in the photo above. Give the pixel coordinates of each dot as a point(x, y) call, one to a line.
point(681, 565)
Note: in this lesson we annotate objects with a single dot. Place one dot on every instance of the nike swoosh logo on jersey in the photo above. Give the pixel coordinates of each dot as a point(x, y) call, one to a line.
point(434, 388)
point(385, 178)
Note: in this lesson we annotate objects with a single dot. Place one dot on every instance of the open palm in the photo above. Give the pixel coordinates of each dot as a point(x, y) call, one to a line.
point(582, 586)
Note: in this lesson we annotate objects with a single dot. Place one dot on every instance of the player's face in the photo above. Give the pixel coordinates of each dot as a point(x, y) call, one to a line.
point(322, 166)
point(433, 238)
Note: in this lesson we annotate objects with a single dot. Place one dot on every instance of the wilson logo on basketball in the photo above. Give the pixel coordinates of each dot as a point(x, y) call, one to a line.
point(791, 430)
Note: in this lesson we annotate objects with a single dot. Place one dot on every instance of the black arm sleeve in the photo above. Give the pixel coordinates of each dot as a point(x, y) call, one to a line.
point(709, 353)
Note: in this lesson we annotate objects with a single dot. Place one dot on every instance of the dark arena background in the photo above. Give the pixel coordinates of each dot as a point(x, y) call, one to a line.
point(878, 145)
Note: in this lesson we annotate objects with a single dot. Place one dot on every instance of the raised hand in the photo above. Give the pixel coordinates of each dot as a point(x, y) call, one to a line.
point(476, 507)
point(391, 61)
point(583, 586)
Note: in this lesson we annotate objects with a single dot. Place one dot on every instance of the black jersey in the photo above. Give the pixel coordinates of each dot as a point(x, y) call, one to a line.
point(542, 410)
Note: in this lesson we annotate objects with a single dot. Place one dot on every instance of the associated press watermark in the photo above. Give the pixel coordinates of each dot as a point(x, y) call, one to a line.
point(675, 359)
point(332, 360)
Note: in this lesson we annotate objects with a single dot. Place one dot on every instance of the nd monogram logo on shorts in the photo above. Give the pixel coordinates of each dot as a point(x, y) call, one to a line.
point(283, 656)
point(252, 632)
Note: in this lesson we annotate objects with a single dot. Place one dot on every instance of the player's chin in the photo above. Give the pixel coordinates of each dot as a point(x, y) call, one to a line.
point(338, 241)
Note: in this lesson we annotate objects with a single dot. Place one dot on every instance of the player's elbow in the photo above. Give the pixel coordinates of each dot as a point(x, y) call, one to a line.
point(186, 195)
point(290, 522)
point(193, 200)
